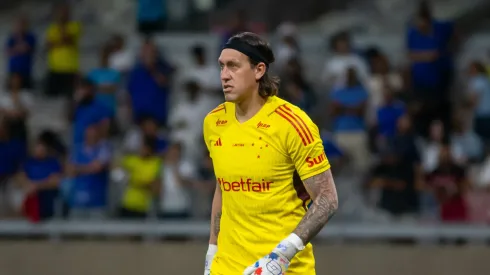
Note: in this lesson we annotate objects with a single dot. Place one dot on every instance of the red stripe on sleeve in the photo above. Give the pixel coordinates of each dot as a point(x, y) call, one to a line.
point(294, 125)
point(302, 122)
point(290, 115)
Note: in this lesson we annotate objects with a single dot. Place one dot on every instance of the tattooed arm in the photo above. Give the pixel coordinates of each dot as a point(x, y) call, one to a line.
point(215, 216)
point(325, 203)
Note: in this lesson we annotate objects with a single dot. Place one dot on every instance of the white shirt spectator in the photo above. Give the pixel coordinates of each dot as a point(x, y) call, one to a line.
point(483, 178)
point(7, 102)
point(430, 156)
point(133, 140)
point(185, 120)
point(207, 76)
point(175, 198)
point(121, 61)
point(334, 71)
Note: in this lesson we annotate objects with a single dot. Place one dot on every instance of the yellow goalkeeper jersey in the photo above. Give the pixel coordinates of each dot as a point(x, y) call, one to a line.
point(255, 163)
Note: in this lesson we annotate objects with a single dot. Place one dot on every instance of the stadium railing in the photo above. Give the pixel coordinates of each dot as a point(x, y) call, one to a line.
point(200, 229)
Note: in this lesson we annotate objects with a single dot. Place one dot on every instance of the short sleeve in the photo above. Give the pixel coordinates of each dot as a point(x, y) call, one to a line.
point(205, 130)
point(304, 145)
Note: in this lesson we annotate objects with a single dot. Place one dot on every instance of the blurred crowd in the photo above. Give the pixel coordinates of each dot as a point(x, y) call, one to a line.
point(135, 149)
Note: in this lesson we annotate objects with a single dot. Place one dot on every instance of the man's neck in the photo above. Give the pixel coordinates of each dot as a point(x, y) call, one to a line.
point(246, 109)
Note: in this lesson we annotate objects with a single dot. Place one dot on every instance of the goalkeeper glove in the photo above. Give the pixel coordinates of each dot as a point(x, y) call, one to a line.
point(212, 249)
point(277, 262)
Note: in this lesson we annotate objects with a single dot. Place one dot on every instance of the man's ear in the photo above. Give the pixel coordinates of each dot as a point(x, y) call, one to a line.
point(260, 70)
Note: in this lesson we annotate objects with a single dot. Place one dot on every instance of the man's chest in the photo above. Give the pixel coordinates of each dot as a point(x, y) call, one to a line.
point(248, 153)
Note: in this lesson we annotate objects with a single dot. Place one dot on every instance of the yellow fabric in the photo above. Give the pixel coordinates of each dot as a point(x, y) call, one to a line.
point(142, 173)
point(254, 163)
point(64, 58)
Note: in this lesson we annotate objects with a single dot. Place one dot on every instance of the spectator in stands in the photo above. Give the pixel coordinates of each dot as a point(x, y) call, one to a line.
point(149, 85)
point(428, 50)
point(450, 184)
point(383, 79)
point(334, 153)
point(204, 186)
point(294, 92)
point(177, 174)
point(121, 58)
point(20, 47)
point(396, 181)
point(88, 111)
point(387, 116)
point(343, 58)
point(479, 99)
point(62, 39)
point(14, 107)
point(432, 148)
point(185, 120)
point(41, 176)
point(287, 48)
point(204, 73)
point(144, 171)
point(89, 168)
point(148, 128)
point(152, 16)
point(11, 156)
point(55, 145)
point(348, 108)
point(465, 138)
point(107, 81)
point(238, 23)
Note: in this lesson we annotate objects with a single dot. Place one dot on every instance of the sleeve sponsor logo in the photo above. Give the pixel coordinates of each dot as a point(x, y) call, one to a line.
point(312, 161)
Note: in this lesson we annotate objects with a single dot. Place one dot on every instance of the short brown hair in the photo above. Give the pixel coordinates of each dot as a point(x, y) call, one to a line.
point(268, 84)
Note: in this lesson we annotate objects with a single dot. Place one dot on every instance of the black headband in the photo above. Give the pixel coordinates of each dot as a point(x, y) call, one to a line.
point(247, 50)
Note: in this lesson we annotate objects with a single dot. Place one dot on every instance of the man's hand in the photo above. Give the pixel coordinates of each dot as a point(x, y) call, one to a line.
point(212, 249)
point(277, 262)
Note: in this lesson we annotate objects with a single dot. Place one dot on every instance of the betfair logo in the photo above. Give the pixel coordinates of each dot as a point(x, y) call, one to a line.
point(221, 122)
point(316, 160)
point(263, 125)
point(218, 142)
point(244, 185)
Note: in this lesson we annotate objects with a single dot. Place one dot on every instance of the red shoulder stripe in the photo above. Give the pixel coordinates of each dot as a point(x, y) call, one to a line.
point(217, 109)
point(297, 123)
point(302, 122)
point(286, 117)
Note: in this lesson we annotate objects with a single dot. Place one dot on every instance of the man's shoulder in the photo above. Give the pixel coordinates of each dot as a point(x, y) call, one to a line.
point(218, 114)
point(291, 118)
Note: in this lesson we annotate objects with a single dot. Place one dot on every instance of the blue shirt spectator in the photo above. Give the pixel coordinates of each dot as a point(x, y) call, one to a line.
point(479, 88)
point(20, 46)
point(42, 173)
point(88, 111)
point(89, 164)
point(388, 115)
point(332, 150)
point(350, 100)
point(106, 80)
point(12, 154)
point(151, 10)
point(428, 41)
point(149, 86)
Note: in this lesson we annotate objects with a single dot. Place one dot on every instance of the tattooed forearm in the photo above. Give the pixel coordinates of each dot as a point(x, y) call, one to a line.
point(325, 203)
point(216, 224)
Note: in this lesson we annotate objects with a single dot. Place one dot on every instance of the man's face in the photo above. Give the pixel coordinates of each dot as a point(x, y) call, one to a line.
point(238, 77)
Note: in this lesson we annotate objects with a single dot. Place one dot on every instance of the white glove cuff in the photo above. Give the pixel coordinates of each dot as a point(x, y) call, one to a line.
point(212, 249)
point(296, 241)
